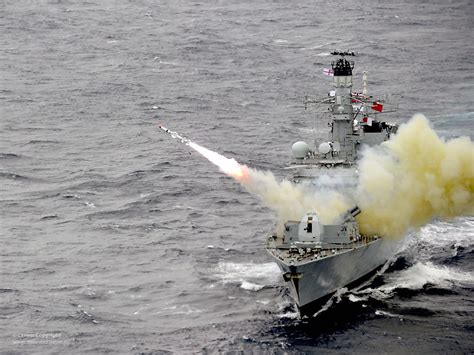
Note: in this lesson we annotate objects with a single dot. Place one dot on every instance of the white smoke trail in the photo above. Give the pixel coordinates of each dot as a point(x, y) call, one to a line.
point(288, 200)
point(403, 183)
point(228, 166)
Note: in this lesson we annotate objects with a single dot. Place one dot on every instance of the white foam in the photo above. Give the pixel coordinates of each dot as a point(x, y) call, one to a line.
point(421, 274)
point(336, 298)
point(168, 63)
point(354, 298)
point(251, 286)
point(441, 234)
point(375, 293)
point(249, 276)
point(387, 314)
point(89, 204)
point(183, 207)
point(289, 315)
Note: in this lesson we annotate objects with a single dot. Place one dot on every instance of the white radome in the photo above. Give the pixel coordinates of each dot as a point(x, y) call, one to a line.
point(300, 149)
point(324, 148)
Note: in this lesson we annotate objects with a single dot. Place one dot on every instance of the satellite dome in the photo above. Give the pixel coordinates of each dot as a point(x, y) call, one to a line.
point(324, 148)
point(300, 150)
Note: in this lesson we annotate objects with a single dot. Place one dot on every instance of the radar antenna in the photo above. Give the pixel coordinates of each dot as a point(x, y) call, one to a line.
point(344, 53)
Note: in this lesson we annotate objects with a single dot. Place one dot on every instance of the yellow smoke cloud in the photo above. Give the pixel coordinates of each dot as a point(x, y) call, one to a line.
point(291, 201)
point(414, 177)
point(403, 183)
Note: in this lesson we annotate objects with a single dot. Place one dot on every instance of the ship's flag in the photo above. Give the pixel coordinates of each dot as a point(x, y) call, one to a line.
point(328, 71)
point(367, 120)
point(377, 106)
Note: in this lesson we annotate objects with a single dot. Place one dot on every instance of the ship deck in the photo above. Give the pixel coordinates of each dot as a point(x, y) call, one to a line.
point(300, 253)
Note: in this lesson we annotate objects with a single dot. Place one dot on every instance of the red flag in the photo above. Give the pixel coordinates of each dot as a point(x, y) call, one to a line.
point(377, 106)
point(367, 120)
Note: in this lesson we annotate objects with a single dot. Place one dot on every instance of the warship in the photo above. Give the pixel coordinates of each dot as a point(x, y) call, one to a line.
point(318, 259)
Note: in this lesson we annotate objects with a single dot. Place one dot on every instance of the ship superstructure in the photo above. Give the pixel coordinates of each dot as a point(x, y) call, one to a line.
point(353, 124)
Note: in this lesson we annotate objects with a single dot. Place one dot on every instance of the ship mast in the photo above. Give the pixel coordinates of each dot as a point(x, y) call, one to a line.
point(342, 109)
point(347, 133)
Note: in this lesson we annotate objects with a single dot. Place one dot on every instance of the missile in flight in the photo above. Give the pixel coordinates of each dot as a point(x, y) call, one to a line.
point(228, 166)
point(175, 135)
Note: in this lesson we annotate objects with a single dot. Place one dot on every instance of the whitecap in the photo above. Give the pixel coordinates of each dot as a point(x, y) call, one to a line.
point(387, 314)
point(289, 315)
point(354, 298)
point(251, 286)
point(441, 234)
point(249, 276)
point(421, 274)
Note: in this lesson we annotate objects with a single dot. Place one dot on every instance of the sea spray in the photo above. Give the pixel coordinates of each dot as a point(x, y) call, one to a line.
point(412, 178)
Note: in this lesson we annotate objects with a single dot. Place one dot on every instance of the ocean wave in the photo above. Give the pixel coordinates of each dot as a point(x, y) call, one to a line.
point(11, 156)
point(13, 176)
point(42, 141)
point(421, 274)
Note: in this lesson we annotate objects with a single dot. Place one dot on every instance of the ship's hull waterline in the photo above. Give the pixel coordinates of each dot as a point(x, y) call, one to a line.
point(312, 282)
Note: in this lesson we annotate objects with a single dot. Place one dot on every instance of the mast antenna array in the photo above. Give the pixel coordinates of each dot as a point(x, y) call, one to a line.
point(344, 53)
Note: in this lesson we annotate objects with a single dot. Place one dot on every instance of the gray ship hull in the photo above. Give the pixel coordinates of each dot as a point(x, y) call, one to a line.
point(315, 280)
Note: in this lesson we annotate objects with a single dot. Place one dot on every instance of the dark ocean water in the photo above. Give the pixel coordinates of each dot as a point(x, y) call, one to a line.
point(114, 238)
